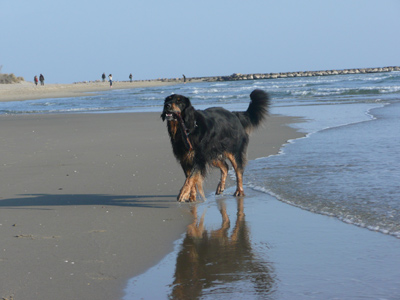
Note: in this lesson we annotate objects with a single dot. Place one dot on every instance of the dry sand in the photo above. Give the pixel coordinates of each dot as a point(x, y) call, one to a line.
point(89, 200)
point(29, 91)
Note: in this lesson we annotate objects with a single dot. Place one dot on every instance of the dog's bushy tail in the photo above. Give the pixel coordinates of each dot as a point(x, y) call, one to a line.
point(256, 112)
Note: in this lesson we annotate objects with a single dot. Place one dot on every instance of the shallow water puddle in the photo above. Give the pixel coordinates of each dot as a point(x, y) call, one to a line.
point(214, 257)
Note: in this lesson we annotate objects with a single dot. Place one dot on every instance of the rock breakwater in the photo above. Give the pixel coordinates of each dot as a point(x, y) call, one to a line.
point(256, 76)
point(238, 76)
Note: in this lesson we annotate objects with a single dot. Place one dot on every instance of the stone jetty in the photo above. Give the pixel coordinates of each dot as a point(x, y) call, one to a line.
point(238, 76)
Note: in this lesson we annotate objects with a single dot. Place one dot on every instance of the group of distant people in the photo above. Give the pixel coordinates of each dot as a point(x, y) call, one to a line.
point(103, 77)
point(41, 79)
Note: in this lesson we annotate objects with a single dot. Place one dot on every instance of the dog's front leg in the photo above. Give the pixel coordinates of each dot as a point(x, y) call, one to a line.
point(188, 191)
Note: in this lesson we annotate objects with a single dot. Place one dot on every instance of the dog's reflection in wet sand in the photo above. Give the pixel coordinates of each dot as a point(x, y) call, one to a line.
point(220, 261)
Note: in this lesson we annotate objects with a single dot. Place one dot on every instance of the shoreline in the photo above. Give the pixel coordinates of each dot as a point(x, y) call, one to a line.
point(89, 200)
point(27, 90)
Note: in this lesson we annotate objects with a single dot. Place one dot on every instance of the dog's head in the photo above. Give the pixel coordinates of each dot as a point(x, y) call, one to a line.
point(174, 106)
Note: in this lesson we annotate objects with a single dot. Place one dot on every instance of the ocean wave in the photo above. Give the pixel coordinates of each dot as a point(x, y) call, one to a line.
point(347, 170)
point(345, 91)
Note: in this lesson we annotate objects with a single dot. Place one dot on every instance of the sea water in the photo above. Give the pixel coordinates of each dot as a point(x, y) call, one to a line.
point(350, 172)
point(348, 166)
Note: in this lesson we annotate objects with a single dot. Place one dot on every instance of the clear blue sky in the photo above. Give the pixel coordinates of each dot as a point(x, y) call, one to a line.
point(74, 40)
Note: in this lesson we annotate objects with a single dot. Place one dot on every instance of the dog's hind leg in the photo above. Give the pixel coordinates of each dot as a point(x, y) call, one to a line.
point(223, 166)
point(238, 166)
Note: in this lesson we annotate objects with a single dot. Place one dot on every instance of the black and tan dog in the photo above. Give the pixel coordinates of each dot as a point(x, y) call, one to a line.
point(202, 138)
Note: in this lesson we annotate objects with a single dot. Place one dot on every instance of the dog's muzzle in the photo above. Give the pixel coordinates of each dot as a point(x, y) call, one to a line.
point(172, 116)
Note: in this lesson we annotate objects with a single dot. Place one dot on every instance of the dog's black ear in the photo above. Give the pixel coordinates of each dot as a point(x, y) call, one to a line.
point(189, 111)
point(163, 116)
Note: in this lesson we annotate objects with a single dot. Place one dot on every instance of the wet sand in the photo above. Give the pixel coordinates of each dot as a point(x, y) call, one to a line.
point(89, 201)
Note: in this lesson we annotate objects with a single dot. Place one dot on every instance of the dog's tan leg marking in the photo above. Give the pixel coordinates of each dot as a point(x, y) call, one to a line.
point(239, 175)
point(184, 194)
point(223, 166)
point(188, 191)
point(193, 192)
point(199, 185)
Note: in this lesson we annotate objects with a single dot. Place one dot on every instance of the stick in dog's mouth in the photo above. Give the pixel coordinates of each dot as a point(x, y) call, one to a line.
point(185, 132)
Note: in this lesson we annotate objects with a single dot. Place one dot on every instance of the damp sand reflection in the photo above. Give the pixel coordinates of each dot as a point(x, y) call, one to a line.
point(220, 260)
point(215, 259)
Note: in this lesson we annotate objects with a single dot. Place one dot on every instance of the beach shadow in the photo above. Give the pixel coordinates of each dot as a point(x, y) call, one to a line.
point(220, 261)
point(48, 200)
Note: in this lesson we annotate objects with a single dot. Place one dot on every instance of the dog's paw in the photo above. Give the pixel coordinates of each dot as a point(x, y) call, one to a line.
point(220, 189)
point(239, 193)
point(186, 197)
point(181, 199)
point(190, 199)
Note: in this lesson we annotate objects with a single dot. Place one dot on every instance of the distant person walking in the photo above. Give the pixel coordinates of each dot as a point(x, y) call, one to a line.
point(184, 78)
point(103, 77)
point(35, 79)
point(110, 79)
point(41, 78)
point(130, 77)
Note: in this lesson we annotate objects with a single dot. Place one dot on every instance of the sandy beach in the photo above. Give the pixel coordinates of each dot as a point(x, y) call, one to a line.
point(29, 91)
point(89, 201)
